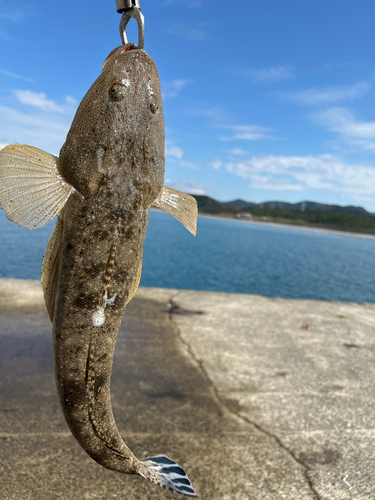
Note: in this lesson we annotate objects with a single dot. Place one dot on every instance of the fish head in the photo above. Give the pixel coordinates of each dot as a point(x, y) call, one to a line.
point(116, 141)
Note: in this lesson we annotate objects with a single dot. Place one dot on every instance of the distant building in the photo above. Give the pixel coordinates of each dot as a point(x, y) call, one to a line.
point(245, 214)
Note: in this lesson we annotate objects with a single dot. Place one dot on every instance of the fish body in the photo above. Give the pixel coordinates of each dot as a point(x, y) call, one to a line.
point(109, 173)
point(83, 352)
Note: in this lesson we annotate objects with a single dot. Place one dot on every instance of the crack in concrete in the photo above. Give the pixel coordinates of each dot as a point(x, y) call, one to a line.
point(224, 404)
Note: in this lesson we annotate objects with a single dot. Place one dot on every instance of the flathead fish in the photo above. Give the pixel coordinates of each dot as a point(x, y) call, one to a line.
point(109, 173)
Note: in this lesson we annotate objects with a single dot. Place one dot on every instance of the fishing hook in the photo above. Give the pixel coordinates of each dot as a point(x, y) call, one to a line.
point(129, 9)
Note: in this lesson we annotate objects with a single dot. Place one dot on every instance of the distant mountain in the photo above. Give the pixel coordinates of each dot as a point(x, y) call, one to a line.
point(240, 204)
point(305, 213)
point(303, 206)
point(208, 205)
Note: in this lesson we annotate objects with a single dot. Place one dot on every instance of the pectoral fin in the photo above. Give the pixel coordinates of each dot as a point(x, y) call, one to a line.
point(50, 266)
point(32, 191)
point(181, 205)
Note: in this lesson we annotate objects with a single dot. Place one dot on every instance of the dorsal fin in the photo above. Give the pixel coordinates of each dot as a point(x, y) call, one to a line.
point(32, 192)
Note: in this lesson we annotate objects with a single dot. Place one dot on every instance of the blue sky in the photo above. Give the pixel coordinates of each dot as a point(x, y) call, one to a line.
point(265, 100)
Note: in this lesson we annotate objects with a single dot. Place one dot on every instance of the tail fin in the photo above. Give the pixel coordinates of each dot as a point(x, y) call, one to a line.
point(166, 473)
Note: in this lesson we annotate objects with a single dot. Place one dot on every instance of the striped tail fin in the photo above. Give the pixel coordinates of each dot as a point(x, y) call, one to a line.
point(166, 473)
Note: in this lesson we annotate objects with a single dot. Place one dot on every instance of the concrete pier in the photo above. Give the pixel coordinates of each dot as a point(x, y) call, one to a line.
point(257, 398)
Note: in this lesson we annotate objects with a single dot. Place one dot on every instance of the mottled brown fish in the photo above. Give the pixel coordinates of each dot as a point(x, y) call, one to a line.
point(109, 174)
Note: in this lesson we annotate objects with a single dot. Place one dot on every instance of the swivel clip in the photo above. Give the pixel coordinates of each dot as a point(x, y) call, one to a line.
point(129, 9)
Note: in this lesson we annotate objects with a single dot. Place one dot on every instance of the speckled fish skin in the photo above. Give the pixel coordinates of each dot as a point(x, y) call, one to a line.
point(114, 157)
point(109, 174)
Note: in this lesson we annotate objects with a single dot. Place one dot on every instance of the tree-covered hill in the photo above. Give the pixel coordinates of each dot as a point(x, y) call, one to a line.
point(306, 213)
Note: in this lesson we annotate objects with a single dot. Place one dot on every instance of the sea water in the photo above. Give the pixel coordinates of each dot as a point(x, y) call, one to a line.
point(227, 256)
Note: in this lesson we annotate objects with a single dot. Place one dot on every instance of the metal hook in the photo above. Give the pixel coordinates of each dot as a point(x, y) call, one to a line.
point(138, 16)
point(122, 5)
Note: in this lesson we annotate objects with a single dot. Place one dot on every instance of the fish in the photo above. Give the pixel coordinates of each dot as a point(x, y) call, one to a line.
point(109, 173)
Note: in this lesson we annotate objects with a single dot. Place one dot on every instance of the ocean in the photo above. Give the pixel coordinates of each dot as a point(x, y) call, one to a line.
point(227, 256)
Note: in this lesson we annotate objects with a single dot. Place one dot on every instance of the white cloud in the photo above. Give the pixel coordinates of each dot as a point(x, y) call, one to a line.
point(215, 112)
point(342, 121)
point(216, 164)
point(43, 130)
point(72, 101)
point(173, 151)
point(238, 152)
point(315, 96)
point(173, 88)
point(188, 164)
point(2, 145)
point(39, 121)
point(299, 173)
point(190, 187)
point(174, 154)
point(12, 16)
point(271, 75)
point(246, 133)
point(10, 74)
point(37, 100)
point(268, 183)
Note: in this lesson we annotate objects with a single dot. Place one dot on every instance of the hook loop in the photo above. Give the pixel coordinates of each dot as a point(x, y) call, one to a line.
point(138, 16)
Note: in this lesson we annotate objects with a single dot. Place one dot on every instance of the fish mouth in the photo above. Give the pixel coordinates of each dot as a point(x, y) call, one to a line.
point(121, 50)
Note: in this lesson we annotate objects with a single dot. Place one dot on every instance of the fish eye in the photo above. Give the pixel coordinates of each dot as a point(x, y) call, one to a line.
point(116, 92)
point(154, 105)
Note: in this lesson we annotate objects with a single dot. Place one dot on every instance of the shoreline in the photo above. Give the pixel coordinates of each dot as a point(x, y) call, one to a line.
point(339, 232)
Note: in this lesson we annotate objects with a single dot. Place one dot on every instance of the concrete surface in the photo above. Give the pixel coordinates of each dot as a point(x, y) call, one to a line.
point(258, 398)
